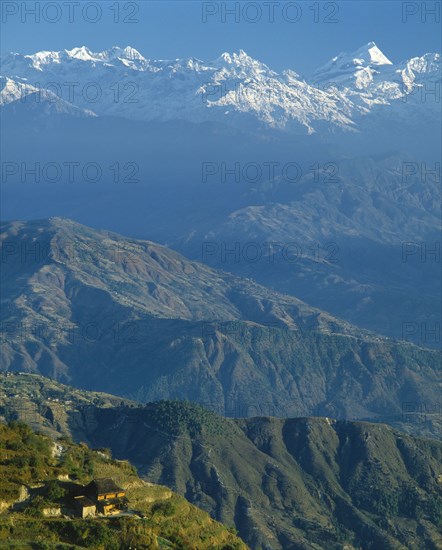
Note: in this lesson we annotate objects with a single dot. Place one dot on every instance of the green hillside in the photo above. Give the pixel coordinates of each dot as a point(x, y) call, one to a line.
point(289, 483)
point(36, 475)
point(294, 483)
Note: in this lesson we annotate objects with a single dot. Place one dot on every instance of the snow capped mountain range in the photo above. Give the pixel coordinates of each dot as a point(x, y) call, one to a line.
point(350, 93)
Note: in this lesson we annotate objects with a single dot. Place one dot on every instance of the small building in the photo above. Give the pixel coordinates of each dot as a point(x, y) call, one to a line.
point(51, 512)
point(104, 489)
point(85, 507)
point(109, 506)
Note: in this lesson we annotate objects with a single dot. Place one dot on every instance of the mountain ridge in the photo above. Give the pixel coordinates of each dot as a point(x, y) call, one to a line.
point(235, 87)
point(183, 330)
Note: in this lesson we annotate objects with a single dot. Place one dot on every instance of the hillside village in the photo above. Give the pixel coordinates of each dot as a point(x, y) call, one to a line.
point(101, 497)
point(54, 494)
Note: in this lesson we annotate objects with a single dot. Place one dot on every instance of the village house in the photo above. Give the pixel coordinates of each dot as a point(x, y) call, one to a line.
point(106, 493)
point(100, 496)
point(85, 507)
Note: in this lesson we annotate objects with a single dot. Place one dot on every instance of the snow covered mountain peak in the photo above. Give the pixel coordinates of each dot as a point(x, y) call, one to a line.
point(127, 56)
point(362, 63)
point(241, 60)
point(372, 55)
point(350, 92)
point(132, 53)
point(83, 53)
point(40, 102)
point(234, 58)
point(427, 63)
point(40, 59)
point(127, 53)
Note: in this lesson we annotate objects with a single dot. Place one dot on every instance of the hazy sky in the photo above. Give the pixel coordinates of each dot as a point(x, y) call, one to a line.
point(299, 35)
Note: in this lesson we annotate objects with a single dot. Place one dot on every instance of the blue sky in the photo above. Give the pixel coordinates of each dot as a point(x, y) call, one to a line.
point(302, 36)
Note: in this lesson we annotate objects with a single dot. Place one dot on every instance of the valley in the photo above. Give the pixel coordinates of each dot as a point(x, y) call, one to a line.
point(283, 482)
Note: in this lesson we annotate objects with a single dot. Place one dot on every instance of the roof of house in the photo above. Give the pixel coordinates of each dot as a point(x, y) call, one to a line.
point(84, 502)
point(105, 485)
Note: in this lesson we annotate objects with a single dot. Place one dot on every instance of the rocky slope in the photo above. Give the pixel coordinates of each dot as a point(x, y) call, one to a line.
point(133, 318)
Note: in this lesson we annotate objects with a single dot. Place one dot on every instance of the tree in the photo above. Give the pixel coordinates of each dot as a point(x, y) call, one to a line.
point(54, 491)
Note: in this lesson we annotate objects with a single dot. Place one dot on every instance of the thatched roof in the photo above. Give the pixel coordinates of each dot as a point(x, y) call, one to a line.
point(105, 486)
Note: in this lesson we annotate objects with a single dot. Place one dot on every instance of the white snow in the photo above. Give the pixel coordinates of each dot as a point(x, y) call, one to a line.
point(371, 54)
point(336, 96)
point(82, 53)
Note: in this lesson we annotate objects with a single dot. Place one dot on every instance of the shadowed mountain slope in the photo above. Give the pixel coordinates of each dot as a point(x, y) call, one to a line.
point(106, 313)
